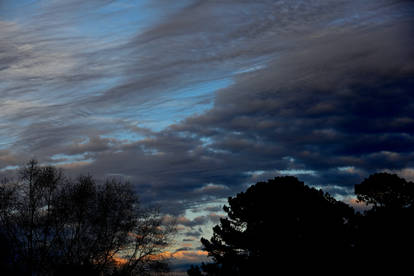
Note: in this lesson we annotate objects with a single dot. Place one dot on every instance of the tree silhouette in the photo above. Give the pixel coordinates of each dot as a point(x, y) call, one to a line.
point(57, 226)
point(384, 190)
point(6, 255)
point(277, 224)
point(385, 234)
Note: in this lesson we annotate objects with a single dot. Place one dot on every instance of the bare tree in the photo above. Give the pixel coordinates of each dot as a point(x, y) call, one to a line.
point(57, 226)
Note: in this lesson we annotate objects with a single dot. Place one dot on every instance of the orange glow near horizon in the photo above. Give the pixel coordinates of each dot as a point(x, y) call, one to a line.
point(189, 255)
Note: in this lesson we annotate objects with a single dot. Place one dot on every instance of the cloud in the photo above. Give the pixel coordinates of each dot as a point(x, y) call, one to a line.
point(212, 189)
point(332, 104)
point(357, 205)
point(406, 173)
point(194, 234)
point(185, 105)
point(192, 223)
point(188, 240)
point(189, 256)
point(214, 209)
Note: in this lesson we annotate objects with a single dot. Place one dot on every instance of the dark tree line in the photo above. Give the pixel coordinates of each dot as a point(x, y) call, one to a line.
point(52, 225)
point(284, 225)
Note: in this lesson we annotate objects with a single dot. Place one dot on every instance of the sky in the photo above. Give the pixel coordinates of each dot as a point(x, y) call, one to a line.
point(192, 101)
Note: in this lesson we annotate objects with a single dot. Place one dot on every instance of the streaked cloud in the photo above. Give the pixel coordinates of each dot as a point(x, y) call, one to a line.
point(192, 101)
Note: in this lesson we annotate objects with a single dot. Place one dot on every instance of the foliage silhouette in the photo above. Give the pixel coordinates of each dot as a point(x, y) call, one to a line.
point(56, 226)
point(279, 222)
point(52, 225)
point(384, 190)
point(386, 230)
point(283, 224)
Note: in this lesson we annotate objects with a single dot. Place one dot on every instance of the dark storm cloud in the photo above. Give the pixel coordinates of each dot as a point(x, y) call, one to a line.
point(366, 125)
point(321, 88)
point(343, 100)
point(339, 96)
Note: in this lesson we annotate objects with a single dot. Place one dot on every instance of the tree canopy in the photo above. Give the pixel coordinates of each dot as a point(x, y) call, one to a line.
point(283, 220)
point(52, 225)
point(282, 224)
point(385, 232)
point(384, 190)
